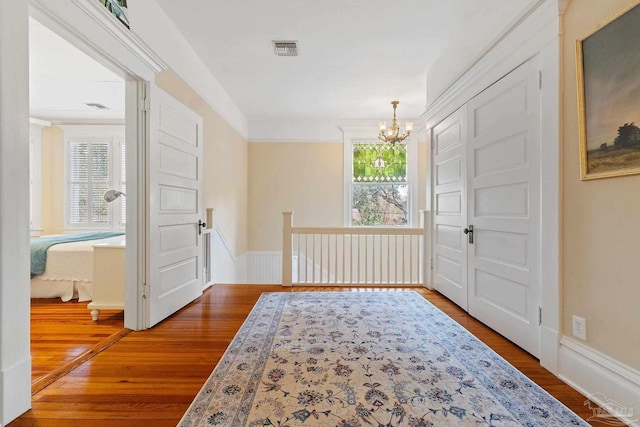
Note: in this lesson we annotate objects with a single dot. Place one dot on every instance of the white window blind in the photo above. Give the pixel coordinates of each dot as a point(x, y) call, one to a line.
point(123, 183)
point(89, 178)
point(94, 163)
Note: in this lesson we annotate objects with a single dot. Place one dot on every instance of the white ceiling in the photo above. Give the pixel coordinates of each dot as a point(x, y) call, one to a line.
point(355, 55)
point(63, 79)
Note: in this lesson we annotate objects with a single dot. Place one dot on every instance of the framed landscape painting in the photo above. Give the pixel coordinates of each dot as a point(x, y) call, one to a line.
point(608, 62)
point(118, 8)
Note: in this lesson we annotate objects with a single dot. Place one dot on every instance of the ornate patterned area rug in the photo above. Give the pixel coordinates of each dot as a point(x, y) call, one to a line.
point(381, 359)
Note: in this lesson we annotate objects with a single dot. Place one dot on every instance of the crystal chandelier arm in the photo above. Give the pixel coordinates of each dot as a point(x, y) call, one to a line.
point(392, 134)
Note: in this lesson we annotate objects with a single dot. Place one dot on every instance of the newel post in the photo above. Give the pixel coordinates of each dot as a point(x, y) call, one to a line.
point(287, 268)
point(426, 248)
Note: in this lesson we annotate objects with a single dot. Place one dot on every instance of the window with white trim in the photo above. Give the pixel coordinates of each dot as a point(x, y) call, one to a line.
point(94, 163)
point(379, 184)
point(35, 175)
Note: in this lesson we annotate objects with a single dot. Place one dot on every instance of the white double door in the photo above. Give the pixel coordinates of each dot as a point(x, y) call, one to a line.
point(486, 202)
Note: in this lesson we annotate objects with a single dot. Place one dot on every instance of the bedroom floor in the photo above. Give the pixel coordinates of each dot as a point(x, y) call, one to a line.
point(63, 336)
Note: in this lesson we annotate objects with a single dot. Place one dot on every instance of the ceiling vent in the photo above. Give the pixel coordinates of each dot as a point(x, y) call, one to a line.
point(96, 106)
point(285, 48)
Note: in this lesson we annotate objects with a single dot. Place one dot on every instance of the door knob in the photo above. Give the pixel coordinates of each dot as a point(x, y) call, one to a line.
point(469, 232)
point(201, 225)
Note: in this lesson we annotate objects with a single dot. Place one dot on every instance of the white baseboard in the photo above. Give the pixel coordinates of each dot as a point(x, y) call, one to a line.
point(264, 267)
point(604, 380)
point(549, 348)
point(15, 402)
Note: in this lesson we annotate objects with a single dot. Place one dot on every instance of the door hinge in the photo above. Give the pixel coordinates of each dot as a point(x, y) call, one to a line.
point(539, 79)
point(432, 144)
point(145, 289)
point(144, 104)
point(431, 263)
point(539, 315)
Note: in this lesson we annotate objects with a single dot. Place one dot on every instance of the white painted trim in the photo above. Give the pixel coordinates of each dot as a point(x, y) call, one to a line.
point(522, 40)
point(413, 164)
point(599, 377)
point(35, 169)
point(101, 16)
point(142, 51)
point(136, 229)
point(280, 130)
point(89, 27)
point(38, 122)
point(225, 243)
point(146, 17)
point(15, 360)
point(534, 33)
point(14, 401)
point(550, 225)
point(370, 132)
point(88, 122)
point(463, 77)
point(113, 135)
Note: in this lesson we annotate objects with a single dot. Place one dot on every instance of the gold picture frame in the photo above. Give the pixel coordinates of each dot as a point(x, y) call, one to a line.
point(608, 71)
point(118, 8)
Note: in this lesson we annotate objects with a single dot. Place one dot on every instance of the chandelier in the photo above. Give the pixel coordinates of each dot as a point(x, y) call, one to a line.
point(392, 134)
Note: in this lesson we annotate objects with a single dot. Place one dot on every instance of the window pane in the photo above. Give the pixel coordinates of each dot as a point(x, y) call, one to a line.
point(379, 162)
point(100, 162)
point(379, 204)
point(78, 162)
point(99, 208)
point(78, 203)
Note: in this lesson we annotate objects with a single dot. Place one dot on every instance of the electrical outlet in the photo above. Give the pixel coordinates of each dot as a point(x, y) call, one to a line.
point(580, 328)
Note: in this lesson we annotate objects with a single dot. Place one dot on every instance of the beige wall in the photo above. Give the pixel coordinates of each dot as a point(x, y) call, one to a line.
point(601, 236)
point(225, 164)
point(52, 180)
point(305, 178)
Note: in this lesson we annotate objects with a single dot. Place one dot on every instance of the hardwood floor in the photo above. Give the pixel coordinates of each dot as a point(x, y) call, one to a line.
point(149, 378)
point(63, 336)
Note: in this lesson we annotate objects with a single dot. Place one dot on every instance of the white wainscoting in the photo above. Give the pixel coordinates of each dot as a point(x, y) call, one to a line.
point(264, 267)
point(226, 267)
point(604, 380)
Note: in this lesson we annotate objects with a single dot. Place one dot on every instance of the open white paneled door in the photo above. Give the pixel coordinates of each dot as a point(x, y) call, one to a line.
point(175, 206)
point(486, 199)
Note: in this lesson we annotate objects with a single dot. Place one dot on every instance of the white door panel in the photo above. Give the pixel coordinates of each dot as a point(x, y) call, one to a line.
point(449, 201)
point(175, 204)
point(486, 174)
point(503, 206)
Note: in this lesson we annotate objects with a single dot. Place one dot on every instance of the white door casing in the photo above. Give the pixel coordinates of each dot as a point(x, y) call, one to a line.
point(175, 203)
point(449, 208)
point(486, 174)
point(503, 145)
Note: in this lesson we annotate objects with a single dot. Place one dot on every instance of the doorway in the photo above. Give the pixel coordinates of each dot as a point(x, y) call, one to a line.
point(77, 153)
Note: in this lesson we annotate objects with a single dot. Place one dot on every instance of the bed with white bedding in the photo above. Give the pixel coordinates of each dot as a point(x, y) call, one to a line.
point(68, 272)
